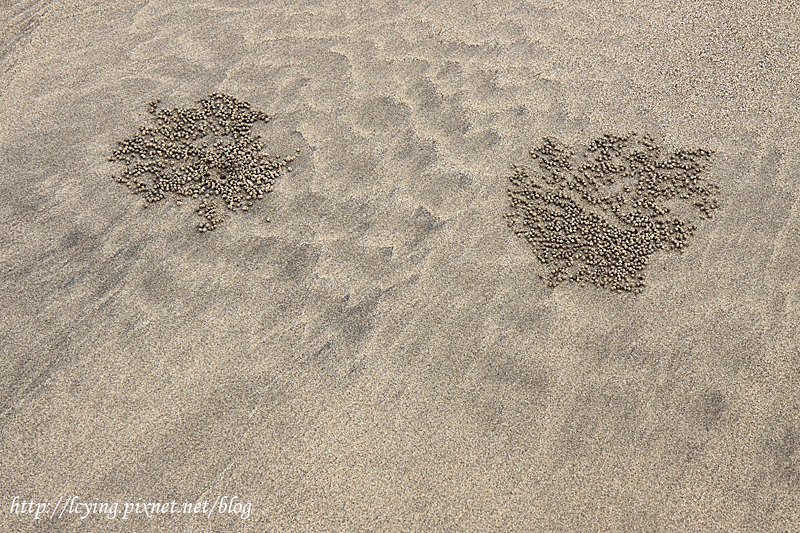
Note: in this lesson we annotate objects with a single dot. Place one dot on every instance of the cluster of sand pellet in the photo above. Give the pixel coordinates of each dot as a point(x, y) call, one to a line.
point(596, 215)
point(206, 151)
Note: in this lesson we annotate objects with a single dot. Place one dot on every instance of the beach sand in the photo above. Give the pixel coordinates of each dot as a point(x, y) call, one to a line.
point(382, 354)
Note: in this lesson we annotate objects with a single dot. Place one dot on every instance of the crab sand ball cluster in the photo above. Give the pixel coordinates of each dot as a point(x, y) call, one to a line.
point(206, 151)
point(595, 215)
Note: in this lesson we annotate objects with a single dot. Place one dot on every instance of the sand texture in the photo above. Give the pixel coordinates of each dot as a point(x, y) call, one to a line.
point(370, 347)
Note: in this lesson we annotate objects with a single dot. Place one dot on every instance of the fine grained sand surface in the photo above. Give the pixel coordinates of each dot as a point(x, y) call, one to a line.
point(381, 355)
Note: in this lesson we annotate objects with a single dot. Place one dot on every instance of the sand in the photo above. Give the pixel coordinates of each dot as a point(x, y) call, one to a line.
point(382, 354)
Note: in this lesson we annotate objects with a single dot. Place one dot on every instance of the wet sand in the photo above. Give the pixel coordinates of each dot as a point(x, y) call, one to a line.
point(382, 354)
